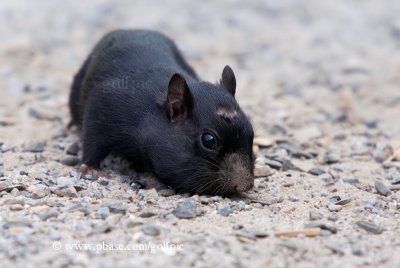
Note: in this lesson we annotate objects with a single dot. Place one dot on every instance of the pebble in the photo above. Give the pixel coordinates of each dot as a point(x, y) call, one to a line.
point(343, 202)
point(51, 213)
point(331, 158)
point(333, 217)
point(224, 210)
point(64, 181)
point(352, 181)
point(21, 223)
point(13, 201)
point(316, 214)
point(370, 227)
point(4, 185)
point(382, 153)
point(150, 194)
point(66, 191)
point(151, 229)
point(204, 200)
point(263, 171)
point(103, 212)
point(322, 225)
point(16, 207)
point(326, 177)
point(73, 148)
point(186, 209)
point(316, 171)
point(148, 212)
point(357, 251)
point(39, 191)
point(106, 228)
point(70, 160)
point(117, 208)
point(85, 210)
point(334, 199)
point(382, 188)
point(274, 164)
point(334, 208)
point(293, 198)
point(35, 147)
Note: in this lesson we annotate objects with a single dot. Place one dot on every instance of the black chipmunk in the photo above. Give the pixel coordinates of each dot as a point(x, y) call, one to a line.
point(135, 96)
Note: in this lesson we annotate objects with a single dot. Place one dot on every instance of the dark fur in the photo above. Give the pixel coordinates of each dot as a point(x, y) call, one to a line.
point(121, 98)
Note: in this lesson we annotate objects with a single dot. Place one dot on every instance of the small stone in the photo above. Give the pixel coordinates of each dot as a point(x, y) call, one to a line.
point(316, 214)
point(23, 173)
point(38, 209)
point(263, 171)
point(333, 217)
point(186, 209)
point(326, 177)
point(38, 191)
point(288, 165)
point(316, 171)
point(352, 181)
point(70, 160)
point(224, 210)
point(148, 212)
point(334, 199)
point(16, 207)
point(204, 200)
point(357, 251)
point(106, 228)
point(396, 155)
point(334, 208)
point(14, 201)
point(22, 223)
point(331, 158)
point(117, 208)
point(103, 182)
point(103, 212)
point(89, 177)
point(216, 198)
point(4, 185)
point(382, 153)
point(85, 210)
point(264, 141)
point(66, 191)
point(51, 213)
point(370, 227)
point(343, 202)
point(166, 192)
point(274, 164)
point(64, 181)
point(151, 229)
point(150, 194)
point(382, 188)
point(35, 147)
point(73, 148)
point(293, 199)
point(322, 225)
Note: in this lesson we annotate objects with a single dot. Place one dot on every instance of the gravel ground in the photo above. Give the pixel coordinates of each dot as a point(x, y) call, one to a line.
point(320, 82)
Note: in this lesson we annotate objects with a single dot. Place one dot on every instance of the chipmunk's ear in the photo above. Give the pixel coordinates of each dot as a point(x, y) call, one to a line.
point(228, 80)
point(179, 102)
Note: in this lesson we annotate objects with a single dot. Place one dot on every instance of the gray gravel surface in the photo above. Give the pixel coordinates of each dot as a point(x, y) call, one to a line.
point(320, 82)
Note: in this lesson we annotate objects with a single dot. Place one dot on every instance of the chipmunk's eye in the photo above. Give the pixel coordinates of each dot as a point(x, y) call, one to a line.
point(209, 141)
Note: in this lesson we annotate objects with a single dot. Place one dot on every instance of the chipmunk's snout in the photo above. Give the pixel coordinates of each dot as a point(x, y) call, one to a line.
point(238, 171)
